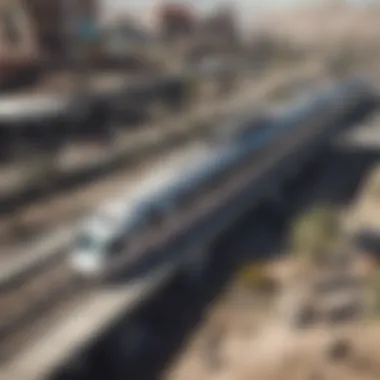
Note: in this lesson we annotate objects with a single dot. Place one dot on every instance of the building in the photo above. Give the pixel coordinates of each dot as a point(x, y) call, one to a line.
point(222, 24)
point(176, 21)
point(55, 20)
point(19, 48)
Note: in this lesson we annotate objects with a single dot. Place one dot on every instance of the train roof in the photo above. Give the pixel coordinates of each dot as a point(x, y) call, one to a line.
point(193, 176)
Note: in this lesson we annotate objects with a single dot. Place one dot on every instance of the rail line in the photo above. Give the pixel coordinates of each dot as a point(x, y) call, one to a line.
point(53, 248)
point(194, 217)
point(153, 137)
point(15, 326)
point(40, 287)
point(42, 259)
point(198, 214)
point(24, 305)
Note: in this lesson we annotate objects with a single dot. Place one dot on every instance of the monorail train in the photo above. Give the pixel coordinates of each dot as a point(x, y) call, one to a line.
point(104, 230)
point(114, 226)
point(110, 233)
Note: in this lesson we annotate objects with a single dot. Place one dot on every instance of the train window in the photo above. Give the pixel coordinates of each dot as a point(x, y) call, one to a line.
point(10, 23)
point(87, 243)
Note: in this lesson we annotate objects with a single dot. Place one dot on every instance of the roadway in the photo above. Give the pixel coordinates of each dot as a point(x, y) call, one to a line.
point(212, 214)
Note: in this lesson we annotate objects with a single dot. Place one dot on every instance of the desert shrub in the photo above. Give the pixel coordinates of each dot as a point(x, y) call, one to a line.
point(255, 277)
point(314, 234)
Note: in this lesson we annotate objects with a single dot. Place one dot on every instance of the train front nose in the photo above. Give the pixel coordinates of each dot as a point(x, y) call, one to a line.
point(85, 264)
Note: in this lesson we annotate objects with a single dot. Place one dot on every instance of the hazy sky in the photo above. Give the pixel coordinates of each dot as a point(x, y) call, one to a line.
point(246, 8)
point(202, 4)
point(207, 4)
point(140, 6)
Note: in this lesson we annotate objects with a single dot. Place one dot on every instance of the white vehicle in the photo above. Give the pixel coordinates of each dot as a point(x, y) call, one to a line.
point(106, 234)
point(164, 193)
point(114, 225)
point(158, 198)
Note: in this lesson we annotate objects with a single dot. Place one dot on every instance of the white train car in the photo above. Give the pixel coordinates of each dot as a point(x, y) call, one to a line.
point(158, 197)
point(114, 225)
point(164, 193)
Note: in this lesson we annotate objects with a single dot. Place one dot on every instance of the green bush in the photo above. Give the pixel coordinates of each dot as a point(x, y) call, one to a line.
point(254, 276)
point(315, 234)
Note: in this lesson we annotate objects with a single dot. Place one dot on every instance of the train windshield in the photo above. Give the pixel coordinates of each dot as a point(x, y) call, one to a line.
point(89, 243)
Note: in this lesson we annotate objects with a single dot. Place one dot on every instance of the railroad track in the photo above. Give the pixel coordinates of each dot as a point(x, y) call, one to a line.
point(64, 289)
point(25, 262)
point(40, 287)
point(27, 267)
point(221, 192)
point(151, 138)
point(63, 210)
point(56, 287)
point(24, 308)
point(192, 218)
